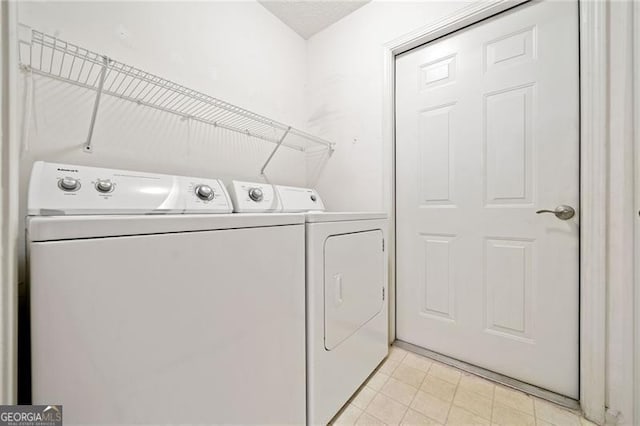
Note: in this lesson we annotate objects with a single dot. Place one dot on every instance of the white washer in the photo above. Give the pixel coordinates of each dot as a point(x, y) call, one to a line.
point(347, 306)
point(159, 319)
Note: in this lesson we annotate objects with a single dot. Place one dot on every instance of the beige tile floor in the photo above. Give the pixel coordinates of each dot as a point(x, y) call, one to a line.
point(409, 389)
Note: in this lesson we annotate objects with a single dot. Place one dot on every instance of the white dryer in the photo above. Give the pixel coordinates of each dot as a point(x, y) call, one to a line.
point(347, 306)
point(143, 318)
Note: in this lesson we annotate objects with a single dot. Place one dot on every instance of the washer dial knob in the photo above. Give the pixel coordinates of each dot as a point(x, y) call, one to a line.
point(104, 185)
point(256, 194)
point(69, 184)
point(204, 192)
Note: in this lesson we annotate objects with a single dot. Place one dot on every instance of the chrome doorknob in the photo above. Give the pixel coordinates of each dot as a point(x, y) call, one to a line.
point(562, 212)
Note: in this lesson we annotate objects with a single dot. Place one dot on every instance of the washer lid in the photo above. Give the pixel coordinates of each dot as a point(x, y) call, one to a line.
point(316, 217)
point(51, 228)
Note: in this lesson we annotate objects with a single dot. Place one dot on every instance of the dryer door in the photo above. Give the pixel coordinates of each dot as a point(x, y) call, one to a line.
point(353, 283)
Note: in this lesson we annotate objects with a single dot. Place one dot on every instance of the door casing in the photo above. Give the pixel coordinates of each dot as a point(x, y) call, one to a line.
point(636, 154)
point(593, 174)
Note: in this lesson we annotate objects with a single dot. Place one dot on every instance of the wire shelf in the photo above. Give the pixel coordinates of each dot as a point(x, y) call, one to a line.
point(49, 56)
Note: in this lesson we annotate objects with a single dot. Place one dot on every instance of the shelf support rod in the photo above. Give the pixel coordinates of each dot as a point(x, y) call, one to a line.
point(284, 135)
point(96, 104)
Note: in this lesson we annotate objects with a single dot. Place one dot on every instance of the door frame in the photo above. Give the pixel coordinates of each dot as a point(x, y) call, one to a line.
point(9, 217)
point(593, 174)
point(636, 158)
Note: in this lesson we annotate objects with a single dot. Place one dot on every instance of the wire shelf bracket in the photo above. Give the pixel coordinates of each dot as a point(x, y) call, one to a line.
point(275, 149)
point(49, 56)
point(96, 103)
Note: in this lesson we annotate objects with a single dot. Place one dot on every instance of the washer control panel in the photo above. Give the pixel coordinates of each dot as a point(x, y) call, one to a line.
point(61, 189)
point(295, 199)
point(253, 197)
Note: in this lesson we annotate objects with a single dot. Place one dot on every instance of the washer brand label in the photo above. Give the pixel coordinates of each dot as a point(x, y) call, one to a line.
point(30, 415)
point(60, 169)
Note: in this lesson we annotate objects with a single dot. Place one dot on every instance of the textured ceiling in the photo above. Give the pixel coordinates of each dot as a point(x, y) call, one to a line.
point(307, 17)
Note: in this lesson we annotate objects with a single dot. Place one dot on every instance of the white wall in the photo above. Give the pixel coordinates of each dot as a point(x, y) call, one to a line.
point(236, 51)
point(345, 84)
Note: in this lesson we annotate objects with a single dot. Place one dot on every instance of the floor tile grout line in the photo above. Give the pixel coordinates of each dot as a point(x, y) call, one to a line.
point(395, 368)
point(493, 390)
point(394, 399)
point(455, 392)
point(369, 403)
point(514, 408)
point(426, 373)
point(406, 410)
point(335, 419)
point(397, 379)
point(378, 418)
point(364, 385)
point(355, 422)
point(493, 398)
point(379, 391)
point(359, 415)
point(446, 420)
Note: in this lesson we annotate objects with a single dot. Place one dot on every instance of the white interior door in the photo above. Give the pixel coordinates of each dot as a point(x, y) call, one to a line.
point(486, 135)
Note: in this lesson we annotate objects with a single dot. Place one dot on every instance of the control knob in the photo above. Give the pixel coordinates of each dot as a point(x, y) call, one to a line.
point(69, 184)
point(256, 194)
point(204, 192)
point(104, 185)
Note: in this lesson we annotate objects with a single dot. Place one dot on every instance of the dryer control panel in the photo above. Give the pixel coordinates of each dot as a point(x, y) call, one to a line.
point(62, 189)
point(295, 199)
point(253, 197)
